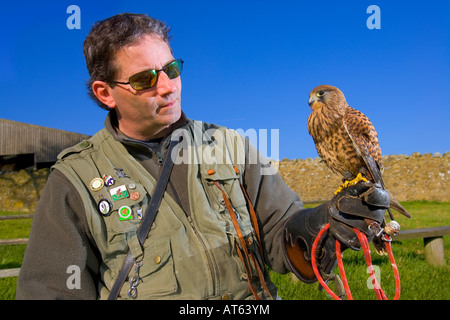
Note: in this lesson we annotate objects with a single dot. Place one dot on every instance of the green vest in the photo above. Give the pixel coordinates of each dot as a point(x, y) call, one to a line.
point(184, 257)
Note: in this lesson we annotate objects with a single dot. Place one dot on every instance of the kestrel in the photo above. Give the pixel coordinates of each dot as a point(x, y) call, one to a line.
point(345, 139)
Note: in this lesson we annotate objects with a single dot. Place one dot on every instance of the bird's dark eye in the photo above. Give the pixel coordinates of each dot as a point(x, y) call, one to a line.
point(320, 93)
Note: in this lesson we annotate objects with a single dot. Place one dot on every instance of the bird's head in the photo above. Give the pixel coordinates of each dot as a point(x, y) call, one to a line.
point(327, 96)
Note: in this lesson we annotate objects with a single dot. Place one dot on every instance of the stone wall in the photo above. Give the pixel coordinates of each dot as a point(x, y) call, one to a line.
point(19, 191)
point(413, 177)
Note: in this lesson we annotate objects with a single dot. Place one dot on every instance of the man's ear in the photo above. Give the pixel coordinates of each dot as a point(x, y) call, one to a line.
point(103, 93)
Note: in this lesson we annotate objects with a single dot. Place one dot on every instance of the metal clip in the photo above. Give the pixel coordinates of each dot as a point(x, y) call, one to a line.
point(238, 216)
point(134, 281)
point(385, 237)
point(375, 228)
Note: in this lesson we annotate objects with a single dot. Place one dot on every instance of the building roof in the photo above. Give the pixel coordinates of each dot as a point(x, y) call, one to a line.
point(24, 138)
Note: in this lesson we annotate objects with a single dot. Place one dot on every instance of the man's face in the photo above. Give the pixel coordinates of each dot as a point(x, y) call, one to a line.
point(148, 113)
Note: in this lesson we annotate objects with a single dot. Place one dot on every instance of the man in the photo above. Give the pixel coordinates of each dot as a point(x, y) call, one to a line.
point(206, 241)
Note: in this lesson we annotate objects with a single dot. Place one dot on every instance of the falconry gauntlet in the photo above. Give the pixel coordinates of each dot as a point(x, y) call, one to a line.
point(357, 206)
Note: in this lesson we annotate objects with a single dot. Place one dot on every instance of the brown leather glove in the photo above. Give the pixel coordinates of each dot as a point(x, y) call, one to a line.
point(353, 207)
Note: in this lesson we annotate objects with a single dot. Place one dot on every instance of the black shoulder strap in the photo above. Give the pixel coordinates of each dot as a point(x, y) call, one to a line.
point(147, 221)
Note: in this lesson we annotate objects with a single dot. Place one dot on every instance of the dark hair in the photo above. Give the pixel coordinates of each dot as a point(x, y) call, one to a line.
point(110, 35)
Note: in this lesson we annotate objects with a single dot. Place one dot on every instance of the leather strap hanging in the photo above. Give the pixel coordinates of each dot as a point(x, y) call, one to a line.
point(144, 227)
point(246, 256)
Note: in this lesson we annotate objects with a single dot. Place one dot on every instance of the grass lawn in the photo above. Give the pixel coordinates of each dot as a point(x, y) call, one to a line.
point(418, 279)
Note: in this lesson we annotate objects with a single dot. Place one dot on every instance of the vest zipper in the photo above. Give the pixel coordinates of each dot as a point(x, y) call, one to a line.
point(208, 256)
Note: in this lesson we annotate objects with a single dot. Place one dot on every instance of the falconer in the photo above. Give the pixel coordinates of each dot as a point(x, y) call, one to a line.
point(223, 217)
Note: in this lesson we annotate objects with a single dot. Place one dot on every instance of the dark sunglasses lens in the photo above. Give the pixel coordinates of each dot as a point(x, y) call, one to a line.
point(174, 69)
point(143, 80)
point(147, 79)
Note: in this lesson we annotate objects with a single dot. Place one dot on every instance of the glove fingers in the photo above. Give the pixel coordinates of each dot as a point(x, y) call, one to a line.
point(345, 234)
point(353, 206)
point(342, 224)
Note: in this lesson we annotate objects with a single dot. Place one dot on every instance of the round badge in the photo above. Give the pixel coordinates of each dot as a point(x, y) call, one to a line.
point(134, 195)
point(96, 184)
point(104, 207)
point(125, 213)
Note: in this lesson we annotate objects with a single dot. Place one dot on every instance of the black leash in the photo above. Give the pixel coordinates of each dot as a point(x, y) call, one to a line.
point(144, 227)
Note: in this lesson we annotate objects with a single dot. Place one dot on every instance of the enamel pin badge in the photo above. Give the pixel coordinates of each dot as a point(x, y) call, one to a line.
point(134, 195)
point(120, 173)
point(96, 184)
point(139, 213)
point(104, 207)
point(125, 213)
point(109, 181)
point(119, 192)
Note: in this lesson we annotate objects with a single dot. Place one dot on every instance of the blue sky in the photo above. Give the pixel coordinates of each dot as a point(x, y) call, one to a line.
point(249, 65)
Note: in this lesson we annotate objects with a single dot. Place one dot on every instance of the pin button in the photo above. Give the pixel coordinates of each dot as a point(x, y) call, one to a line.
point(134, 195)
point(125, 213)
point(84, 144)
point(104, 207)
point(96, 184)
point(158, 259)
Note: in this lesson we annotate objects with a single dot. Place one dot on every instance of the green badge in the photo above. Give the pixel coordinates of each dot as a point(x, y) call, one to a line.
point(119, 192)
point(125, 213)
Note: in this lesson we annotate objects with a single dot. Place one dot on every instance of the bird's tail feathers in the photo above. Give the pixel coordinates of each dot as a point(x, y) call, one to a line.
point(374, 169)
point(397, 206)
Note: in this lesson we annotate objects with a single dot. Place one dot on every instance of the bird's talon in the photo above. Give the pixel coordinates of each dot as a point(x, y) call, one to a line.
point(347, 183)
point(358, 178)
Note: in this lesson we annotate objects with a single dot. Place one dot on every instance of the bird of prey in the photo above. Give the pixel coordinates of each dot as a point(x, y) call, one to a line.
point(346, 140)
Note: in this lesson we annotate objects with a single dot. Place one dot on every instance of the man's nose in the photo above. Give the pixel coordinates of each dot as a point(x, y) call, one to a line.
point(164, 84)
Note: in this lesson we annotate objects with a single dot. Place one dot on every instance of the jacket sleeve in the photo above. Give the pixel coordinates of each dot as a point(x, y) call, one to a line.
point(60, 261)
point(274, 203)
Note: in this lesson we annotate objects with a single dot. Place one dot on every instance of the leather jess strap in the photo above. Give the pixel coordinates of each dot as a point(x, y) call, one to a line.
point(245, 255)
point(147, 221)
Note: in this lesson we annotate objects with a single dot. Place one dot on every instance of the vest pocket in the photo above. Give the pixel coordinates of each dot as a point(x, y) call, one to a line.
point(228, 180)
point(157, 271)
point(247, 265)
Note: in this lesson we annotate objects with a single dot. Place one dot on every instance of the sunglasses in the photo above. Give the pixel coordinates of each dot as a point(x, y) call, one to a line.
point(148, 78)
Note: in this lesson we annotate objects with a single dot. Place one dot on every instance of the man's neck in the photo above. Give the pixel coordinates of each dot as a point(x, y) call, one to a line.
point(146, 135)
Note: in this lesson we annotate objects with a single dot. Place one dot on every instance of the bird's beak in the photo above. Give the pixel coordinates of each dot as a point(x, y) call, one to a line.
point(311, 100)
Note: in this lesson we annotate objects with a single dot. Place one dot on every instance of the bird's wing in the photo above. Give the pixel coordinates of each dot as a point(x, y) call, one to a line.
point(365, 140)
